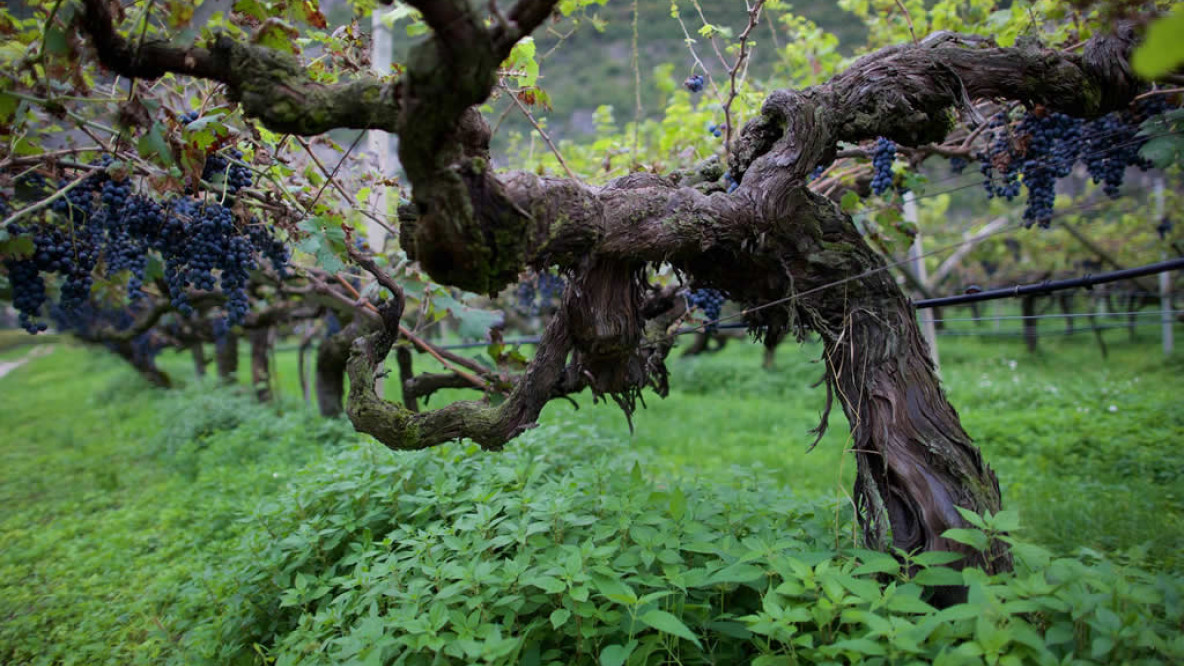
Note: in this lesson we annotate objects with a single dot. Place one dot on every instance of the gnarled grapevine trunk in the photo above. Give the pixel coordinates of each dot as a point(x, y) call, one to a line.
point(199, 359)
point(1031, 332)
point(791, 257)
point(915, 461)
point(260, 339)
point(144, 365)
point(226, 357)
point(332, 355)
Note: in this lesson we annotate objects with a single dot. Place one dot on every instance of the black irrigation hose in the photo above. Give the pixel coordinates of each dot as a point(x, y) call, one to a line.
point(1060, 316)
point(1048, 287)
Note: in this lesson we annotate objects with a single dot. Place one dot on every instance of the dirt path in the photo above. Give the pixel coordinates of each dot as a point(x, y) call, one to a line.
point(8, 366)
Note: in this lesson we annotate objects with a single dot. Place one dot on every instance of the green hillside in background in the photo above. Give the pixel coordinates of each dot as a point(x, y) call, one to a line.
point(593, 68)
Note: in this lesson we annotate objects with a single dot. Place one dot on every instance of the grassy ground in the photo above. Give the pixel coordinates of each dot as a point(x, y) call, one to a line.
point(101, 529)
point(1087, 450)
point(1084, 446)
point(104, 480)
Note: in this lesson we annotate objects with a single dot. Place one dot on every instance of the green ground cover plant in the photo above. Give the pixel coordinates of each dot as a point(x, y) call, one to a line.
point(196, 526)
point(143, 526)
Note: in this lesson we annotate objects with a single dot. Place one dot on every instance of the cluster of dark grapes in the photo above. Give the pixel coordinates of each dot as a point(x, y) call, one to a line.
point(1111, 143)
point(711, 302)
point(694, 83)
point(211, 241)
point(538, 293)
point(236, 176)
point(883, 155)
point(1053, 144)
point(1109, 149)
point(78, 204)
point(52, 252)
point(28, 292)
point(1000, 163)
point(219, 167)
point(68, 252)
point(1045, 146)
point(129, 236)
point(1164, 228)
point(112, 230)
point(272, 248)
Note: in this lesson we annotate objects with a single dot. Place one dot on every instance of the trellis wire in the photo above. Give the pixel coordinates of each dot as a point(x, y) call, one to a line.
point(945, 248)
point(1021, 333)
point(970, 333)
point(1046, 287)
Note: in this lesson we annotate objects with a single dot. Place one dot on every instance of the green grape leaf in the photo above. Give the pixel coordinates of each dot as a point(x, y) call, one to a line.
point(277, 34)
point(252, 8)
point(522, 59)
point(153, 145)
point(474, 322)
point(1163, 50)
point(56, 42)
point(1163, 151)
point(309, 13)
point(325, 242)
point(15, 246)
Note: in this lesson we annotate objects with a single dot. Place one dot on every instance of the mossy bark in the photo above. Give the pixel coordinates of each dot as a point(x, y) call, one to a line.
point(491, 426)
